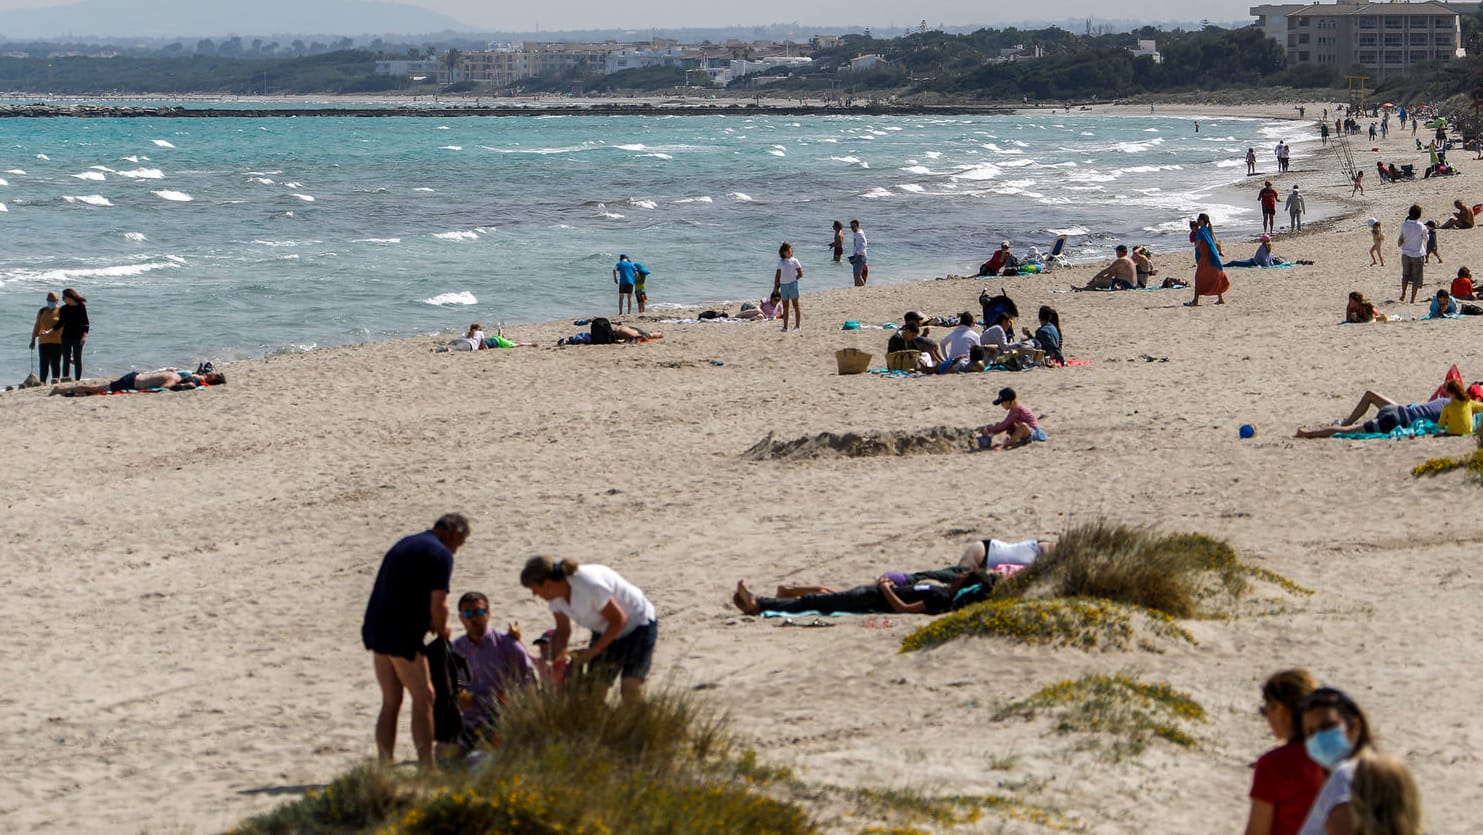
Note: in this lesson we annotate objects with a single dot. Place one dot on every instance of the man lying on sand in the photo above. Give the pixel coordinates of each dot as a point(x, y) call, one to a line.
point(1389, 415)
point(167, 378)
point(969, 581)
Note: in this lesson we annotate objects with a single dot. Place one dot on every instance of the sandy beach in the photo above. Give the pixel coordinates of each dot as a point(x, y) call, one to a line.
point(187, 572)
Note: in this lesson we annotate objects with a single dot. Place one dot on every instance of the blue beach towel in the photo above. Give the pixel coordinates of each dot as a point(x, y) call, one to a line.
point(1417, 429)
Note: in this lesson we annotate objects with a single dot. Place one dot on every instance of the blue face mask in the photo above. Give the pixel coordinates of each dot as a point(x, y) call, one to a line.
point(1328, 747)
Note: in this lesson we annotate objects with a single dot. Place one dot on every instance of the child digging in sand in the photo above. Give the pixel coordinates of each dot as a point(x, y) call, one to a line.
point(1019, 426)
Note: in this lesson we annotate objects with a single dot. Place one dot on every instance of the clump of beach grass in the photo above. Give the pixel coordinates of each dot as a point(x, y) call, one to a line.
point(1134, 712)
point(567, 762)
point(1473, 464)
point(1082, 623)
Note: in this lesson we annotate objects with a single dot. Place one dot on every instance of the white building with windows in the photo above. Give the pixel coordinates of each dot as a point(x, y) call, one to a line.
point(1376, 36)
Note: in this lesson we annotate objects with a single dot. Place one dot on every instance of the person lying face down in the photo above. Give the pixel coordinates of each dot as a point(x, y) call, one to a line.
point(167, 378)
point(884, 596)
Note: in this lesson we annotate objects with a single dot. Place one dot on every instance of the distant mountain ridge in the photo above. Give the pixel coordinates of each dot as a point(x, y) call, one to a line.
point(194, 19)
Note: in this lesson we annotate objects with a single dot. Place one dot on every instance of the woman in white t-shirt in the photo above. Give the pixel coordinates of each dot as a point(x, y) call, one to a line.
point(1336, 732)
point(785, 284)
point(623, 623)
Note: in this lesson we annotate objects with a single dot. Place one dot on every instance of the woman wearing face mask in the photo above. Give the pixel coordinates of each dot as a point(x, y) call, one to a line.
point(1337, 733)
point(73, 326)
point(45, 332)
point(1286, 780)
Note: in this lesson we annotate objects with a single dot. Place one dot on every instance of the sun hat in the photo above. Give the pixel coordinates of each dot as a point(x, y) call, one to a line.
point(1005, 395)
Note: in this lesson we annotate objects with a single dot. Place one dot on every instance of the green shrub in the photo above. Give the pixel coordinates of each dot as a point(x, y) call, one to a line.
point(1074, 622)
point(1119, 705)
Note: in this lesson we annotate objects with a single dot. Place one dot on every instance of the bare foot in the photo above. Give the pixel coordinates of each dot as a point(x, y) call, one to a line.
point(745, 600)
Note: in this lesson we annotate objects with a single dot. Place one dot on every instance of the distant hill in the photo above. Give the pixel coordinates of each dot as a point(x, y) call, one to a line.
point(194, 19)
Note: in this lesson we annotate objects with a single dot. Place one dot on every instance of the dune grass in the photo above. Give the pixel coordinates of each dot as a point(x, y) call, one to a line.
point(1083, 623)
point(1473, 464)
point(566, 762)
point(1133, 712)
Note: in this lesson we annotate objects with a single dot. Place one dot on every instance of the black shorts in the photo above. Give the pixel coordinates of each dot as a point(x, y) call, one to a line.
point(124, 383)
point(1387, 419)
point(631, 655)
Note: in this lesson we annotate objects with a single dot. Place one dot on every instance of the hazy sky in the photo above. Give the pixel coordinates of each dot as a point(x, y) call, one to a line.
point(641, 14)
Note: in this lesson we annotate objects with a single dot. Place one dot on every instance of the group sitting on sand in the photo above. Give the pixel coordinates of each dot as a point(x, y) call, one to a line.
point(165, 379)
point(965, 349)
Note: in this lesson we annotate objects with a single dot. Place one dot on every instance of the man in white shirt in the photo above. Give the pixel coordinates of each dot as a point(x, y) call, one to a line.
point(1412, 241)
point(857, 256)
point(960, 340)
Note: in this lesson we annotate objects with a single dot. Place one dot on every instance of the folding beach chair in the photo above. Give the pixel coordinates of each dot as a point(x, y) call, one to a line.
point(1053, 258)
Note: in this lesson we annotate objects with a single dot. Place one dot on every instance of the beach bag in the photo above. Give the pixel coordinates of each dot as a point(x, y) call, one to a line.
point(903, 360)
point(994, 305)
point(449, 673)
point(852, 360)
point(602, 332)
point(1470, 310)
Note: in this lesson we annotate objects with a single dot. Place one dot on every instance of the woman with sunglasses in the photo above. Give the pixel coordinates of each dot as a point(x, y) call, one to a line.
point(1337, 733)
point(1286, 780)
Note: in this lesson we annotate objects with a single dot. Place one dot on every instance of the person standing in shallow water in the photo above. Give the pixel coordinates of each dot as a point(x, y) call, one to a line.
point(838, 243)
point(857, 255)
point(50, 339)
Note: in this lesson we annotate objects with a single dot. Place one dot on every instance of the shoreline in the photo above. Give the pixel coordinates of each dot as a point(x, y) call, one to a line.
point(233, 533)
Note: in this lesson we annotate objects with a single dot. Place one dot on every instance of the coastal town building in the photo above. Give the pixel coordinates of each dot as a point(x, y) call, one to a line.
point(1376, 36)
point(1148, 49)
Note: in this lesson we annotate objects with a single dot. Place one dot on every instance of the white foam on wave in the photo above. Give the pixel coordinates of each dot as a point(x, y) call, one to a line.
point(142, 174)
point(657, 156)
point(4, 182)
point(43, 156)
point(262, 180)
point(852, 160)
point(112, 271)
point(635, 147)
point(307, 198)
point(15, 171)
point(451, 148)
point(912, 187)
point(173, 196)
point(1069, 231)
point(442, 127)
point(462, 297)
point(293, 185)
point(422, 188)
point(916, 169)
point(777, 152)
point(740, 196)
point(102, 168)
point(609, 215)
point(934, 155)
point(3, 208)
point(876, 193)
point(162, 143)
point(1144, 169)
point(457, 236)
point(132, 158)
point(376, 241)
point(982, 171)
point(97, 176)
point(990, 146)
point(643, 204)
point(701, 199)
point(135, 236)
point(90, 199)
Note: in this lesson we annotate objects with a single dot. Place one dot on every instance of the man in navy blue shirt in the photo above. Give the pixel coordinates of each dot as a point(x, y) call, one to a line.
point(409, 600)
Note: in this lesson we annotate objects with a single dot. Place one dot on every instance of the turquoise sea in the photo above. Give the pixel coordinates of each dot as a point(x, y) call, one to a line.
point(231, 238)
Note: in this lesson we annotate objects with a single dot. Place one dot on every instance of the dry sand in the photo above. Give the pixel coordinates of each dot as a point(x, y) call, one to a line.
point(186, 572)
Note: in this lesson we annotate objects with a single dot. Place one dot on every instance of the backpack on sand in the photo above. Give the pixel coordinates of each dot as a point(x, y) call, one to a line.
point(602, 332)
